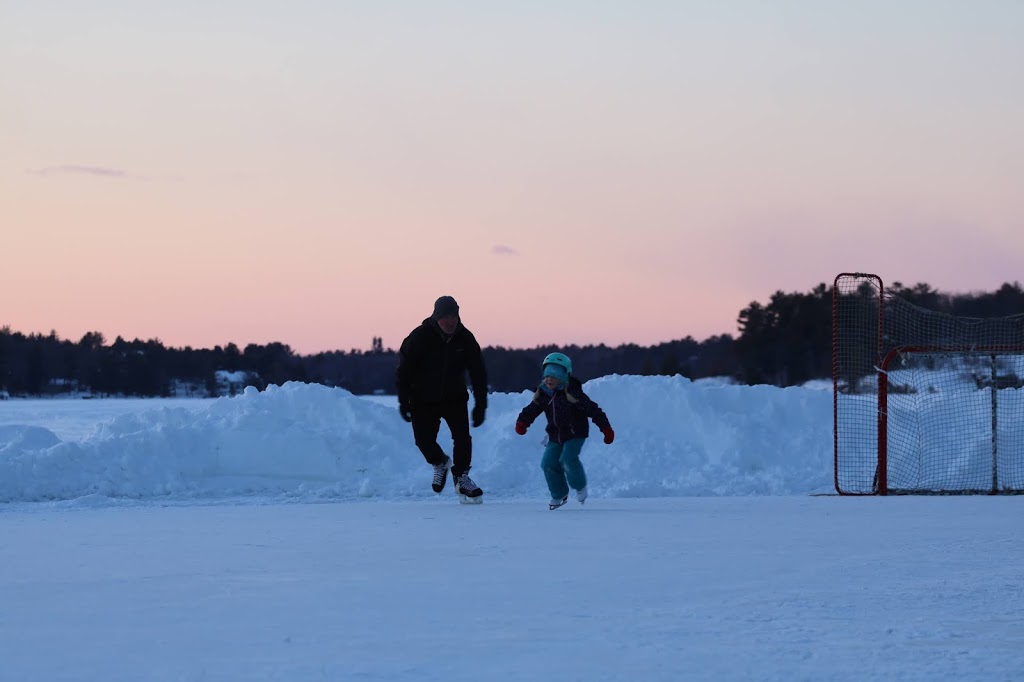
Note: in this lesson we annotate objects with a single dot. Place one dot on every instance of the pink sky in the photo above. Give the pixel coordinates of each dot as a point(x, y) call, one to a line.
point(570, 172)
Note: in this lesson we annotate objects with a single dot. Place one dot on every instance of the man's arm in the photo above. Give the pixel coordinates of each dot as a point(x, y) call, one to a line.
point(478, 379)
point(408, 357)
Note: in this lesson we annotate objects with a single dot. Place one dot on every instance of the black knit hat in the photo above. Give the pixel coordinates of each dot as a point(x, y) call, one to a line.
point(445, 306)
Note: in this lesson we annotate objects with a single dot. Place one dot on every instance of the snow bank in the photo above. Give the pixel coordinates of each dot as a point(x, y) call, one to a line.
point(309, 442)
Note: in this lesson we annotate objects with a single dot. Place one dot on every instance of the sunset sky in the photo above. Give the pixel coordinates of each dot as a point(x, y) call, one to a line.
point(317, 172)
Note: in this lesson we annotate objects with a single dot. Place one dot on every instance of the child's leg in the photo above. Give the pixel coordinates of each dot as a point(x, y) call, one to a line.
point(553, 472)
point(571, 464)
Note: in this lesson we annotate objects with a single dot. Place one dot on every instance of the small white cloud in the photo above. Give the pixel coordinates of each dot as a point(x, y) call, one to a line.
point(71, 169)
point(99, 172)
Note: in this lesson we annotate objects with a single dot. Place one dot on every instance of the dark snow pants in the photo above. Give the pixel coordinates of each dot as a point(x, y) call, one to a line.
point(426, 423)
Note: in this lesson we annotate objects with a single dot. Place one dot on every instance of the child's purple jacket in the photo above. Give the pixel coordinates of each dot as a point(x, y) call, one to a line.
point(567, 411)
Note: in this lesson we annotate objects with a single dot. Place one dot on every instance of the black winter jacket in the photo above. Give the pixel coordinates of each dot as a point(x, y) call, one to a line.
point(567, 411)
point(432, 366)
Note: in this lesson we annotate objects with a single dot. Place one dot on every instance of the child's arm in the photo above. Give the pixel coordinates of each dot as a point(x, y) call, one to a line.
point(527, 416)
point(594, 411)
point(597, 415)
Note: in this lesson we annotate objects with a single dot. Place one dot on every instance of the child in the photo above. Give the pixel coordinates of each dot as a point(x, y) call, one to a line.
point(561, 398)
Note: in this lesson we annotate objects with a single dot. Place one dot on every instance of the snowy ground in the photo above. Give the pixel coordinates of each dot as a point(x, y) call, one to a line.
point(291, 535)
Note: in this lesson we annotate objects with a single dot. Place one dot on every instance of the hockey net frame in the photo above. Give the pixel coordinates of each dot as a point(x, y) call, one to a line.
point(923, 402)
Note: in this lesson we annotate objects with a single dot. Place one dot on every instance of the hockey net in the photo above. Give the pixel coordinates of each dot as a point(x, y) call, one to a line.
point(924, 401)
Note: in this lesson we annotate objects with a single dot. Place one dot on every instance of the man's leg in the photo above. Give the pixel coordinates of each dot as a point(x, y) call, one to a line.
point(554, 474)
point(457, 416)
point(426, 422)
point(571, 464)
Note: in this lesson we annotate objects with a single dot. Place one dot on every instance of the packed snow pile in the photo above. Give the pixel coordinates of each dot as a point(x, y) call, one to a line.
point(308, 442)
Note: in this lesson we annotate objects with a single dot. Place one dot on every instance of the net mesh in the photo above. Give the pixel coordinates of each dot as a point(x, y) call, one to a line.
point(935, 397)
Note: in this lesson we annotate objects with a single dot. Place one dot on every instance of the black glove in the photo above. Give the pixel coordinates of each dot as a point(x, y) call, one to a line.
point(405, 410)
point(478, 413)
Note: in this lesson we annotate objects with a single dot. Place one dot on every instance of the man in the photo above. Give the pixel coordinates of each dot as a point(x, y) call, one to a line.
point(431, 377)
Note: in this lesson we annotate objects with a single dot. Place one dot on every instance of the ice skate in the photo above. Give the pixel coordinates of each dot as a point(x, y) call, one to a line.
point(556, 503)
point(468, 491)
point(440, 474)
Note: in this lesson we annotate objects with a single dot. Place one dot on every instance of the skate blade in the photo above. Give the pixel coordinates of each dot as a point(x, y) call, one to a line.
point(470, 500)
point(553, 507)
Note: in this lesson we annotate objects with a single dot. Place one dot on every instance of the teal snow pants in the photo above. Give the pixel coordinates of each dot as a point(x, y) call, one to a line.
point(562, 467)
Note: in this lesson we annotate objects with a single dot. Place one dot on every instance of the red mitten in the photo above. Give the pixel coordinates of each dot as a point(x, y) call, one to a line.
point(521, 428)
point(609, 435)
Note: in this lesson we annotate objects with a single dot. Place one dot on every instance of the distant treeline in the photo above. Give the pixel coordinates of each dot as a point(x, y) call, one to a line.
point(785, 342)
